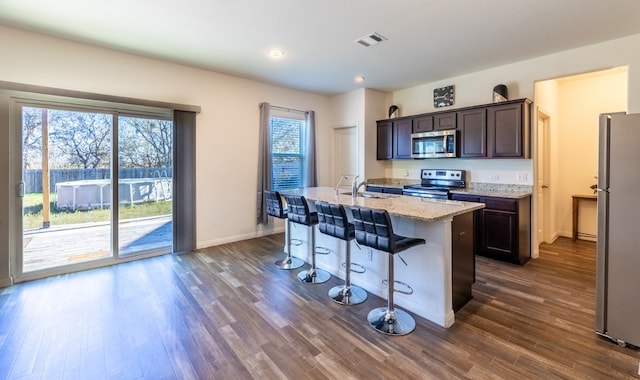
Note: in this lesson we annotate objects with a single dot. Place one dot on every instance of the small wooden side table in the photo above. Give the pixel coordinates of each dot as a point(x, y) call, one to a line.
point(576, 208)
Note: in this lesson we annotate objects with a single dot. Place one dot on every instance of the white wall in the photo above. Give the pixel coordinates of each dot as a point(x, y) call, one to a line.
point(227, 127)
point(347, 110)
point(520, 78)
point(377, 106)
point(470, 90)
point(362, 108)
point(581, 100)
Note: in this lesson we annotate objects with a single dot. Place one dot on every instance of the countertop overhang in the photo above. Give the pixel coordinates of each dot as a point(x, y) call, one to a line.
point(417, 208)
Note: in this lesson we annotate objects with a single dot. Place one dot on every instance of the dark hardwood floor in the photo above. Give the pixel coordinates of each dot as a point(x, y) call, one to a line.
point(227, 313)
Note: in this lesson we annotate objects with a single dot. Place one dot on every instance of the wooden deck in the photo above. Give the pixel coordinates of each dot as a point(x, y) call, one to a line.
point(47, 248)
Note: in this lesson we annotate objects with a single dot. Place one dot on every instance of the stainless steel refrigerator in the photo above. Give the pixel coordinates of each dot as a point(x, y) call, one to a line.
point(618, 246)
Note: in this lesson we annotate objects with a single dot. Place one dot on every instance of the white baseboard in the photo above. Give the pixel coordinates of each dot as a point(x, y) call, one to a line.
point(535, 253)
point(569, 235)
point(240, 237)
point(5, 282)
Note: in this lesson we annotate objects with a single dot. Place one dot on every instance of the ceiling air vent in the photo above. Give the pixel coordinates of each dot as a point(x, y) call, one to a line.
point(370, 39)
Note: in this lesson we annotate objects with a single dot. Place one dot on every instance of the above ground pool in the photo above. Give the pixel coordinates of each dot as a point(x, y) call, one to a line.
point(96, 193)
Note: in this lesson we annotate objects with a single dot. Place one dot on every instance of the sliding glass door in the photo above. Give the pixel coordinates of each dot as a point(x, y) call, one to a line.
point(145, 185)
point(66, 161)
point(71, 159)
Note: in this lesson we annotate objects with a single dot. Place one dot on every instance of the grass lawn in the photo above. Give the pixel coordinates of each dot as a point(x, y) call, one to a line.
point(32, 211)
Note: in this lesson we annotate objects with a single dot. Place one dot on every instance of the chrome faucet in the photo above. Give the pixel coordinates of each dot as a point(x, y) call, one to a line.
point(355, 186)
point(339, 182)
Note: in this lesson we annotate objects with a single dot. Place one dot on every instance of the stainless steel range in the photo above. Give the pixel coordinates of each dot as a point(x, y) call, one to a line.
point(437, 183)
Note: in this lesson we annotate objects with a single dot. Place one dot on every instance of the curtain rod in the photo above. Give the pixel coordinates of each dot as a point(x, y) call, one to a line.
point(288, 109)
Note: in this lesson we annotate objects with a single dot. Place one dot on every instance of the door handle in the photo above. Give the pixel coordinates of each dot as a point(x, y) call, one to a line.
point(20, 190)
point(545, 186)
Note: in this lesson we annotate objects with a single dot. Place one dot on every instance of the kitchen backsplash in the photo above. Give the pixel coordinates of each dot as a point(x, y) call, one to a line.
point(517, 172)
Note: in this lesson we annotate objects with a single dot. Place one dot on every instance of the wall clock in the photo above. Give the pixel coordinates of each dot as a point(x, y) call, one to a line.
point(443, 96)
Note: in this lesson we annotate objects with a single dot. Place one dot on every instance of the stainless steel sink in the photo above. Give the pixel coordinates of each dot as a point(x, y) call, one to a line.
point(367, 194)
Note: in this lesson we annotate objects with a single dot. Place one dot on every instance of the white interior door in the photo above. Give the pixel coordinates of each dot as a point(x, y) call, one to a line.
point(346, 152)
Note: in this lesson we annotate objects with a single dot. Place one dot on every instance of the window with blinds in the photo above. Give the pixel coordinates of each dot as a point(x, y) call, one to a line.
point(287, 152)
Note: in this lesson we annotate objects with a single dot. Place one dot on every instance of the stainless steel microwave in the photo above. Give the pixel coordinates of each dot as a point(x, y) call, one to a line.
point(436, 144)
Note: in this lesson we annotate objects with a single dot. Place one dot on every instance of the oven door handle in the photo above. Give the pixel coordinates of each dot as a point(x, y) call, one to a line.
point(429, 195)
point(424, 194)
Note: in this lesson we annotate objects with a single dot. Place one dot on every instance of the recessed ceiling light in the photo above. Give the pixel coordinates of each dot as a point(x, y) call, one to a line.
point(276, 53)
point(359, 79)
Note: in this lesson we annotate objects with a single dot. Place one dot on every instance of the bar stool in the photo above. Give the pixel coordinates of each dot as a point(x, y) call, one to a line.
point(333, 221)
point(298, 212)
point(275, 209)
point(374, 229)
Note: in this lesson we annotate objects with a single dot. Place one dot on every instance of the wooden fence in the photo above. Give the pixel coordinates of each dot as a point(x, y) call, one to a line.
point(33, 177)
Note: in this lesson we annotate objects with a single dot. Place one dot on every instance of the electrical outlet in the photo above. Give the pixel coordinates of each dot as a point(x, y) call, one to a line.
point(521, 177)
point(369, 255)
point(494, 177)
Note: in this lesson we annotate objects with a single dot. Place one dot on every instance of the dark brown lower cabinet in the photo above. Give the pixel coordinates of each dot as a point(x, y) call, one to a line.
point(463, 260)
point(502, 228)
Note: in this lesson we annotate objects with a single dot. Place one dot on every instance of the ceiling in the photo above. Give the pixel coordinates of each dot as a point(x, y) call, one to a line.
point(427, 40)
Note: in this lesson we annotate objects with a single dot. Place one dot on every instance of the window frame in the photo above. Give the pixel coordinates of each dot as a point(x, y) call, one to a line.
point(302, 130)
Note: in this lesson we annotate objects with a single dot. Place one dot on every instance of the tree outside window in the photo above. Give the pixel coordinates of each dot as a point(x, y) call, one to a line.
point(287, 152)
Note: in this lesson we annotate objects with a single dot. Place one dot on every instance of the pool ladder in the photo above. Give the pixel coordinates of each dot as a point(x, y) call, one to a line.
point(164, 185)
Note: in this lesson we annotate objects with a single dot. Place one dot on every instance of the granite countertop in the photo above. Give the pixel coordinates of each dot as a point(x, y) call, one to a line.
point(474, 188)
point(496, 190)
point(397, 205)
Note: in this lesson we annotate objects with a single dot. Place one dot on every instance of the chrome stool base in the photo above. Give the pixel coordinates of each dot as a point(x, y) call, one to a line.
point(351, 295)
point(317, 276)
point(396, 322)
point(289, 263)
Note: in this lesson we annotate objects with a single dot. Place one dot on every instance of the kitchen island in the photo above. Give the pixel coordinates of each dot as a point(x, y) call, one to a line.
point(441, 272)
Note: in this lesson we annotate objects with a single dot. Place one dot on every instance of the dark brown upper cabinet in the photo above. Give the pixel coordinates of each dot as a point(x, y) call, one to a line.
point(423, 123)
point(444, 121)
point(402, 139)
point(508, 130)
point(434, 122)
point(394, 139)
point(473, 132)
point(497, 130)
point(385, 140)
